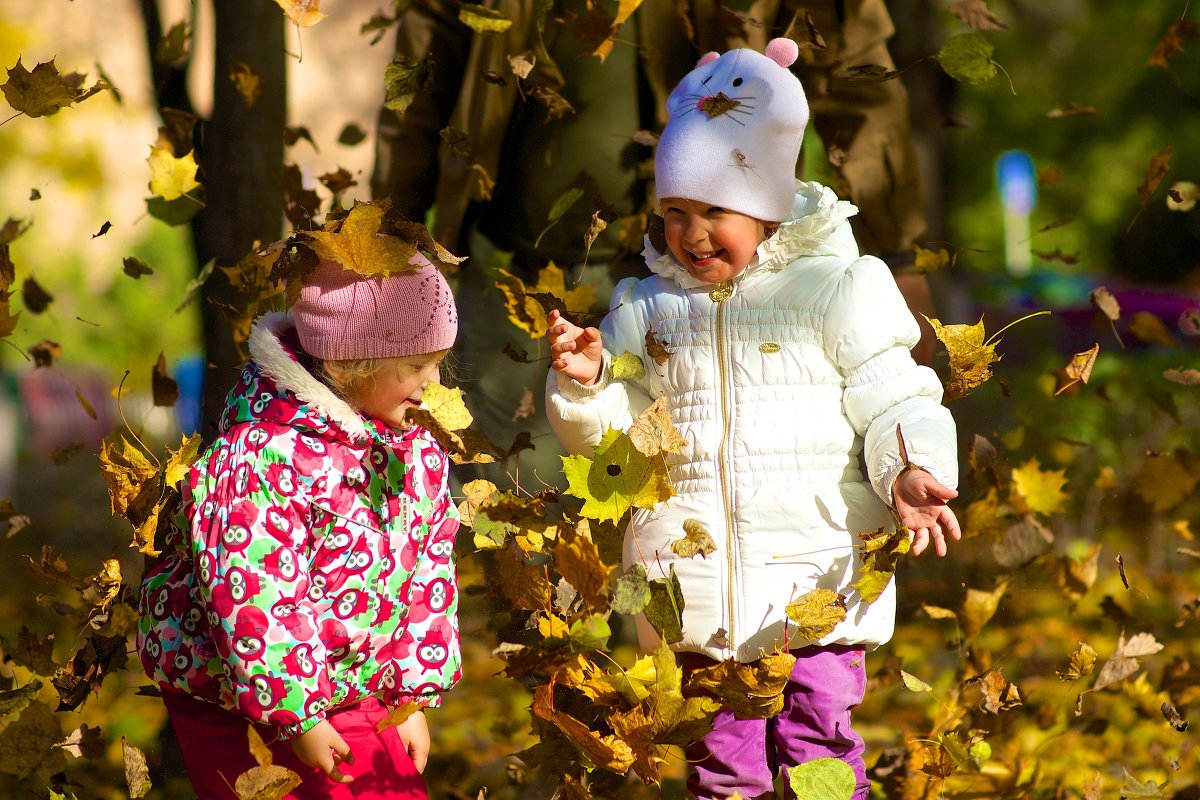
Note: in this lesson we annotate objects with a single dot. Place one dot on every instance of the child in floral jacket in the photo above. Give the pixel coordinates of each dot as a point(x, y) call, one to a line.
point(309, 579)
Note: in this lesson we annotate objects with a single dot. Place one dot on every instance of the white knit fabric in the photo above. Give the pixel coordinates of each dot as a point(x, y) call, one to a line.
point(777, 391)
point(743, 158)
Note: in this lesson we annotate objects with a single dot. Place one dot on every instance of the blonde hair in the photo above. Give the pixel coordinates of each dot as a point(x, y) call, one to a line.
point(351, 378)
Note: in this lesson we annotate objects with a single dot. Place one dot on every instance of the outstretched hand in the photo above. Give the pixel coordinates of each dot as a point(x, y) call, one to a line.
point(920, 501)
point(574, 351)
point(324, 748)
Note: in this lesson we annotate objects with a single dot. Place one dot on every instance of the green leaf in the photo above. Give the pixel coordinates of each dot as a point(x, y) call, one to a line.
point(913, 683)
point(617, 477)
point(14, 701)
point(967, 57)
point(823, 779)
point(665, 610)
point(591, 632)
point(880, 551)
point(483, 20)
point(403, 78)
point(178, 211)
point(632, 591)
point(627, 367)
point(561, 205)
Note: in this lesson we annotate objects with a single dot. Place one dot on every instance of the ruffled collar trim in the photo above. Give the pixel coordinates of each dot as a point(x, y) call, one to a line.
point(817, 214)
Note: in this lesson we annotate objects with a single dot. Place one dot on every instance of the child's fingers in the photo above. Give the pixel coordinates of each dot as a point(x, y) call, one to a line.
point(920, 541)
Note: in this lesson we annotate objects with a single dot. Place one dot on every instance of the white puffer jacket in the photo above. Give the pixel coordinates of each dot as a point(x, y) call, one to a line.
point(778, 380)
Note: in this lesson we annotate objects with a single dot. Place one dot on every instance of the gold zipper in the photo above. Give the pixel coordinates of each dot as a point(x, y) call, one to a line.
point(719, 294)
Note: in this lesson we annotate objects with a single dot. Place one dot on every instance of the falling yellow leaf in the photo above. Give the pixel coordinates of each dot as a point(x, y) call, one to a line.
point(817, 613)
point(970, 356)
point(171, 177)
point(929, 260)
point(695, 542)
point(1041, 490)
point(1079, 368)
point(44, 91)
point(1080, 665)
point(1151, 330)
point(359, 247)
point(482, 19)
point(302, 13)
point(978, 607)
point(527, 313)
point(1166, 479)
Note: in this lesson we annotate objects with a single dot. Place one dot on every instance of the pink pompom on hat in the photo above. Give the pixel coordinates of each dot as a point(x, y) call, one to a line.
point(343, 315)
point(734, 132)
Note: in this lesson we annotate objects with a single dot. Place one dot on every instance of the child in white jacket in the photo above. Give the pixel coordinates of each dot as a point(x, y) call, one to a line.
point(789, 360)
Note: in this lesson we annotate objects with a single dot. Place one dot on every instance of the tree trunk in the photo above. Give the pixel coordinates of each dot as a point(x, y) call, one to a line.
point(241, 155)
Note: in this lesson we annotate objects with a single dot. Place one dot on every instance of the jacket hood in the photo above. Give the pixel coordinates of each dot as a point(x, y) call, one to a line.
point(276, 387)
point(818, 226)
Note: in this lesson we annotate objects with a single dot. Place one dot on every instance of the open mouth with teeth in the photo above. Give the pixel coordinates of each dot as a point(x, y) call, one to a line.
point(704, 259)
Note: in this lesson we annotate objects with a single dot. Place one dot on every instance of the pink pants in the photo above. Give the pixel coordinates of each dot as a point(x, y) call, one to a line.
point(216, 751)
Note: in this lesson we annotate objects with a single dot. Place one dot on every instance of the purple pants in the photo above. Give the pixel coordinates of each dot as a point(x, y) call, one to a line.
point(216, 751)
point(745, 755)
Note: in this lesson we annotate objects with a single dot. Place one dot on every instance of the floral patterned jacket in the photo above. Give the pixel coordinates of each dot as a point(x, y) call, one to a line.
point(312, 559)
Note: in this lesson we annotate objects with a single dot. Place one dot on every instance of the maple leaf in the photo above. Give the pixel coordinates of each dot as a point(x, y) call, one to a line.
point(631, 593)
point(556, 105)
point(999, 694)
point(664, 611)
point(978, 607)
point(822, 779)
point(523, 583)
point(44, 91)
point(880, 551)
point(1171, 44)
point(1076, 575)
point(482, 19)
point(246, 80)
point(13, 701)
point(397, 715)
point(695, 542)
point(970, 356)
point(527, 313)
point(83, 742)
point(653, 432)
point(403, 78)
point(718, 104)
point(578, 560)
point(1166, 479)
point(1040, 490)
point(356, 244)
point(817, 613)
point(1022, 542)
point(135, 267)
point(171, 177)
point(616, 477)
point(28, 744)
point(266, 781)
point(1124, 662)
point(35, 653)
point(173, 46)
point(302, 13)
point(607, 752)
point(929, 260)
point(656, 349)
point(1080, 664)
point(752, 690)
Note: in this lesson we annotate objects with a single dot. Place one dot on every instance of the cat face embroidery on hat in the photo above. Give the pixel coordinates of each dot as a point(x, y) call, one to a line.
point(736, 124)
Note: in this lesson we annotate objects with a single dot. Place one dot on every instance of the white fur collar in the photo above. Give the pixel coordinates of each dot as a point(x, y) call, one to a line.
point(816, 228)
point(268, 352)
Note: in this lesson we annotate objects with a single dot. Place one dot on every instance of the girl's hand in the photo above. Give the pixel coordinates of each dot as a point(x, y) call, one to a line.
point(574, 351)
point(920, 500)
point(414, 732)
point(324, 748)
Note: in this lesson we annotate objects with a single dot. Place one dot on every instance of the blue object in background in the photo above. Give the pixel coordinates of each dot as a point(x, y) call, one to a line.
point(1017, 181)
point(189, 374)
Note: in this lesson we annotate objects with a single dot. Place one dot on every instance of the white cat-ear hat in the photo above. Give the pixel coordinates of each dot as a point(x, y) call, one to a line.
point(734, 131)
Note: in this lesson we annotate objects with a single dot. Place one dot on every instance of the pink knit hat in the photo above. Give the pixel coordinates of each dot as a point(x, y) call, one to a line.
point(344, 315)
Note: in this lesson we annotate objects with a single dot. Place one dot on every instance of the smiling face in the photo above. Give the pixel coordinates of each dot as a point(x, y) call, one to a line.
point(712, 243)
point(398, 385)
